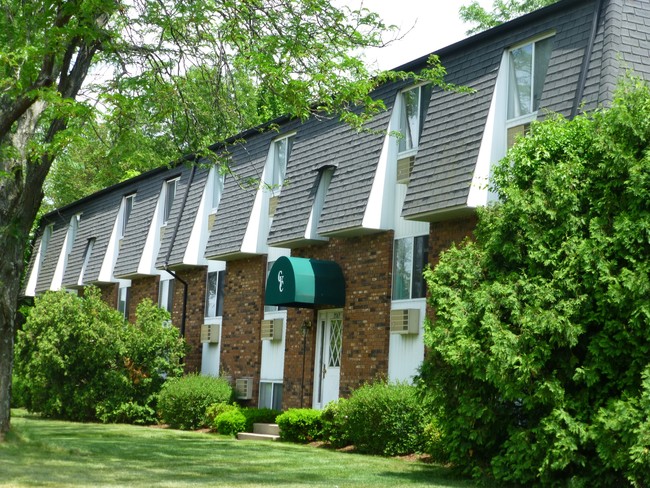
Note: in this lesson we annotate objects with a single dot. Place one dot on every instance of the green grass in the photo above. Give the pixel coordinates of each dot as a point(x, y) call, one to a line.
point(42, 452)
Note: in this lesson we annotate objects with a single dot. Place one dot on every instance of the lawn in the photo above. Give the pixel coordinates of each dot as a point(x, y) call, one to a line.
point(52, 453)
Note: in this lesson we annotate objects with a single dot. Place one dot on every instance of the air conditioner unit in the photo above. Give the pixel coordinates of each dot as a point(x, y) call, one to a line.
point(404, 169)
point(210, 333)
point(515, 132)
point(211, 218)
point(272, 330)
point(244, 388)
point(273, 205)
point(406, 321)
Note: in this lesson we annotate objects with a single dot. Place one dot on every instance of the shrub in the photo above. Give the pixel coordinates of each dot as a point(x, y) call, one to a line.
point(214, 410)
point(259, 416)
point(183, 402)
point(384, 418)
point(230, 422)
point(300, 425)
point(77, 359)
point(334, 424)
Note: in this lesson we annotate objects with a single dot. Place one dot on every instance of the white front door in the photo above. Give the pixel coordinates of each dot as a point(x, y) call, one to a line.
point(329, 341)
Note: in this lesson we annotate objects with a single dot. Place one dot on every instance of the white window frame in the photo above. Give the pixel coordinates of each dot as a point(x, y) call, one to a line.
point(278, 167)
point(274, 386)
point(219, 293)
point(166, 294)
point(123, 297)
point(402, 123)
point(126, 213)
point(169, 202)
point(532, 115)
point(218, 180)
point(413, 267)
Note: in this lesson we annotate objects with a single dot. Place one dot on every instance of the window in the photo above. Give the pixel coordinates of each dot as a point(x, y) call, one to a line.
point(127, 207)
point(166, 294)
point(123, 301)
point(170, 193)
point(87, 254)
point(270, 395)
point(214, 294)
point(281, 152)
point(415, 103)
point(217, 187)
point(528, 65)
point(410, 257)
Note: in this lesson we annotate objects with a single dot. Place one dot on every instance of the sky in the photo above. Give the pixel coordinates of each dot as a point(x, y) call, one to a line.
point(427, 25)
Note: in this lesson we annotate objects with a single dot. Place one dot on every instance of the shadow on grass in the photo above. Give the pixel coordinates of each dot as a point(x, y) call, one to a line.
point(45, 452)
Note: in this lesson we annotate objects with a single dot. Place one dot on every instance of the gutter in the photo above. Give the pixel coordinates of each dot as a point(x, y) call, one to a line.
point(171, 245)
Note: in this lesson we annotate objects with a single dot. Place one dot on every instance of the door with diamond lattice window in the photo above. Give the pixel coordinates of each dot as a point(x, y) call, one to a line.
point(329, 342)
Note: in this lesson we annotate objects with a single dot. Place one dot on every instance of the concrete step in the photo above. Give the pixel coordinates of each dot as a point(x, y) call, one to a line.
point(249, 436)
point(268, 429)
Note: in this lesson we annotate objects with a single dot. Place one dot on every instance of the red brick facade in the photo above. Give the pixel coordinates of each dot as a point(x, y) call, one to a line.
point(243, 311)
point(366, 262)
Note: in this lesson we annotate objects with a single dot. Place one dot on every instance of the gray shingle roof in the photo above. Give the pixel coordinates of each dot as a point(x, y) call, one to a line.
point(53, 251)
point(454, 126)
point(328, 142)
point(135, 236)
point(187, 211)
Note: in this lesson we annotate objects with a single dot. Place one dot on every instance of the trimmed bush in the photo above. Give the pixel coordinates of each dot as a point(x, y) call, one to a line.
point(230, 422)
point(384, 418)
point(214, 410)
point(259, 416)
point(300, 425)
point(184, 401)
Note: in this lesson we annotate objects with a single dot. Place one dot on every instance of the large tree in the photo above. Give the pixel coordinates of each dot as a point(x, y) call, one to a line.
point(502, 11)
point(297, 52)
point(540, 348)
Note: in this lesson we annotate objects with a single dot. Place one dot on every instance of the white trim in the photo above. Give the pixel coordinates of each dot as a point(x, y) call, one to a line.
point(30, 289)
point(147, 264)
point(62, 263)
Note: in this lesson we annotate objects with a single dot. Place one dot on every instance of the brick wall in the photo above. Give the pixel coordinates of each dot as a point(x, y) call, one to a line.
point(243, 311)
point(109, 293)
point(367, 268)
point(141, 288)
point(194, 314)
point(443, 234)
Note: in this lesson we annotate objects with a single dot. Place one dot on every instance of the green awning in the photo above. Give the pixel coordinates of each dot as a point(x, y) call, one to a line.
point(302, 282)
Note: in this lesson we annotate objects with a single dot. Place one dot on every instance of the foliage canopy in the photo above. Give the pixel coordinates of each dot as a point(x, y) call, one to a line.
point(502, 11)
point(541, 336)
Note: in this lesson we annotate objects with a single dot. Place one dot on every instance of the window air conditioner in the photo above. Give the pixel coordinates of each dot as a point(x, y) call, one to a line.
point(244, 388)
point(273, 205)
point(210, 333)
point(211, 218)
point(515, 132)
point(405, 321)
point(272, 330)
point(404, 169)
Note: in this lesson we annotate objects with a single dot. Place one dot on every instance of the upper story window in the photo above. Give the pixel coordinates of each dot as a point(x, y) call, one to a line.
point(414, 105)
point(170, 194)
point(87, 253)
point(217, 187)
point(281, 152)
point(214, 294)
point(127, 207)
point(410, 257)
point(527, 69)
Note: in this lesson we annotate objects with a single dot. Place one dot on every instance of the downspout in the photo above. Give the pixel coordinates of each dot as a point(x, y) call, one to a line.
point(582, 79)
point(171, 245)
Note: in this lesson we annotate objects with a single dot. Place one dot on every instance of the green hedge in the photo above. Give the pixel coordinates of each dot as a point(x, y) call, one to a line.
point(183, 402)
point(300, 425)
